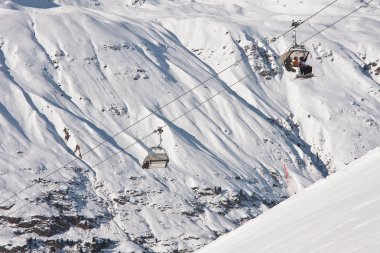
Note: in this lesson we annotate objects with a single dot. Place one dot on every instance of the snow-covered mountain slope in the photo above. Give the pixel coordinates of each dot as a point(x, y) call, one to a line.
point(97, 68)
point(338, 214)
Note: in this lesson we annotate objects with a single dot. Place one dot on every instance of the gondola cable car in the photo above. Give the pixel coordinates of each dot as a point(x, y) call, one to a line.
point(157, 156)
point(296, 51)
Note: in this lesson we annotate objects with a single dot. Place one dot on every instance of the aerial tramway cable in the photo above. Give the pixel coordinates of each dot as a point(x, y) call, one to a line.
point(146, 136)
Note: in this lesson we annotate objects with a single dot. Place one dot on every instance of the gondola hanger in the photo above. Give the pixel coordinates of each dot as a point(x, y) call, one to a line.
point(157, 156)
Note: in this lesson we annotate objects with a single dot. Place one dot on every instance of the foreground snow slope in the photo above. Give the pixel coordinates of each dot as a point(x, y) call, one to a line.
point(97, 67)
point(338, 214)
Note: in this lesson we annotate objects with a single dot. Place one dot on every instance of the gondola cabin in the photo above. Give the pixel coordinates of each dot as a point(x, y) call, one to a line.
point(287, 58)
point(295, 58)
point(156, 158)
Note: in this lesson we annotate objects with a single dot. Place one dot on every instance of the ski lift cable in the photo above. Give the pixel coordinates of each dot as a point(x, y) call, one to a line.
point(128, 127)
point(183, 94)
point(170, 122)
point(146, 136)
point(170, 102)
point(201, 83)
point(315, 14)
point(123, 130)
point(195, 87)
point(304, 21)
point(365, 4)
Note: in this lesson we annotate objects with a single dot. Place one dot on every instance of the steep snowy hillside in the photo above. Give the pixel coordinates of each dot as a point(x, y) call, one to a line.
point(339, 214)
point(103, 75)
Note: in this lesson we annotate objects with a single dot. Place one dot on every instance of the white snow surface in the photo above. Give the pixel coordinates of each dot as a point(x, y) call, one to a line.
point(337, 214)
point(98, 67)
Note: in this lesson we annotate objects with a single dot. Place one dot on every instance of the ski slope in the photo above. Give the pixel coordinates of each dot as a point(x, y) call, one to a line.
point(337, 214)
point(111, 72)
